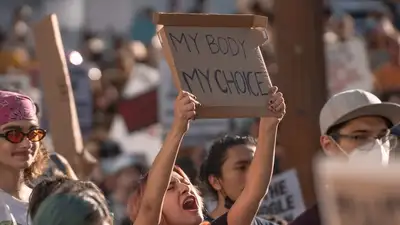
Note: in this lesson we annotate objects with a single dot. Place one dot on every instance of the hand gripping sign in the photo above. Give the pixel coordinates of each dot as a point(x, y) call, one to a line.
point(218, 59)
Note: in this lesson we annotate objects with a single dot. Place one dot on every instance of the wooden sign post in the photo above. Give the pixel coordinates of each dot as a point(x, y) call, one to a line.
point(58, 94)
point(217, 58)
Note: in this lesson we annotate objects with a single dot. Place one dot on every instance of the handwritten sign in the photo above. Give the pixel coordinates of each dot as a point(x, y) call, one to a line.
point(218, 59)
point(358, 192)
point(201, 131)
point(284, 197)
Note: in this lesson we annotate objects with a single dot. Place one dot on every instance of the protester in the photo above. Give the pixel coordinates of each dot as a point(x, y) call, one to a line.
point(225, 171)
point(155, 201)
point(72, 203)
point(45, 188)
point(387, 77)
point(22, 156)
point(355, 124)
point(126, 172)
point(85, 205)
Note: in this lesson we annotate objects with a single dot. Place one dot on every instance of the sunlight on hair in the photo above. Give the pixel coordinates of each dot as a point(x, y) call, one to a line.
point(75, 58)
point(94, 74)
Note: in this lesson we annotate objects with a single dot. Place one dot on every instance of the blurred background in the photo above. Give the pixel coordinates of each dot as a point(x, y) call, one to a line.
point(123, 89)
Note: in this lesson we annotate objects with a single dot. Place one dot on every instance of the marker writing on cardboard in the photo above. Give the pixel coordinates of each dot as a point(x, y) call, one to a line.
point(226, 45)
point(188, 40)
point(227, 82)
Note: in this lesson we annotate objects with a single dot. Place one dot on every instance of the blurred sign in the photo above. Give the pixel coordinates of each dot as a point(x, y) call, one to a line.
point(347, 66)
point(201, 131)
point(359, 193)
point(135, 128)
point(284, 197)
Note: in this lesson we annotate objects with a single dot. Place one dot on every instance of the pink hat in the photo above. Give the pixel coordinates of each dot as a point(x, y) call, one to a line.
point(15, 106)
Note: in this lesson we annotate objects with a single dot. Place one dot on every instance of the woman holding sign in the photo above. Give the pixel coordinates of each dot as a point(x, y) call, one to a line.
point(22, 157)
point(166, 195)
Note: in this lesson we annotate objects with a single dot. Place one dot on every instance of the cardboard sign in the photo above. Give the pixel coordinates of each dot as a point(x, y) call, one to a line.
point(201, 131)
point(218, 59)
point(358, 193)
point(284, 198)
point(58, 94)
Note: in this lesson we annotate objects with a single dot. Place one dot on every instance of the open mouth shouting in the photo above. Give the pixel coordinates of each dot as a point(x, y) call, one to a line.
point(190, 204)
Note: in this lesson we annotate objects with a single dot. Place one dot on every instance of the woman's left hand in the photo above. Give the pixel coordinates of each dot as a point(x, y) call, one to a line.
point(276, 104)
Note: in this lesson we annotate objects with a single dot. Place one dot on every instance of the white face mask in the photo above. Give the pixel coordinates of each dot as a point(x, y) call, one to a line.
point(378, 154)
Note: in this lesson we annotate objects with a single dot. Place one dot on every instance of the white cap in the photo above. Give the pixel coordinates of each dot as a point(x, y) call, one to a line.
point(352, 104)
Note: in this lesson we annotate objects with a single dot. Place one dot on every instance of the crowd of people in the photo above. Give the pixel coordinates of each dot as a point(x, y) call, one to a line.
point(126, 189)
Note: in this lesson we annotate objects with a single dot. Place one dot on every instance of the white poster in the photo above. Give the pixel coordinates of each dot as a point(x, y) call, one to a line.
point(347, 66)
point(201, 131)
point(284, 198)
point(359, 193)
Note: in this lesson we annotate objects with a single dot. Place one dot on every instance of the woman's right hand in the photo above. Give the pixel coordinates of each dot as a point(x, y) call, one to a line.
point(184, 110)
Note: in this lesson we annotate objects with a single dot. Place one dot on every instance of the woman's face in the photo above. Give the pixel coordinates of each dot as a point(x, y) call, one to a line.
point(182, 204)
point(18, 156)
point(234, 169)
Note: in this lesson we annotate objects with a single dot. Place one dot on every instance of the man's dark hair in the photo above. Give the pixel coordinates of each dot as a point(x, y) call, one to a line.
point(188, 166)
point(217, 155)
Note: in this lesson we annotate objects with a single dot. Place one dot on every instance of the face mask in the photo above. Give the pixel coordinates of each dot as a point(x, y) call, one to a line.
point(379, 153)
point(228, 203)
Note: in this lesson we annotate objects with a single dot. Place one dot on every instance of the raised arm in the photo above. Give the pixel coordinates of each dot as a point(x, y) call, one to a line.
point(161, 169)
point(260, 170)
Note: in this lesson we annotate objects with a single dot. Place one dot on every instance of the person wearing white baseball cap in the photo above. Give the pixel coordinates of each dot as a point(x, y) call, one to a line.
point(355, 124)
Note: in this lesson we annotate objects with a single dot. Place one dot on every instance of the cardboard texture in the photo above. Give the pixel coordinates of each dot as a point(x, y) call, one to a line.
point(218, 59)
point(358, 193)
point(58, 94)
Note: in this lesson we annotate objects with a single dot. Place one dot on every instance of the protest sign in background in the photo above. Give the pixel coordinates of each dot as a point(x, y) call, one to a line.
point(347, 66)
point(284, 196)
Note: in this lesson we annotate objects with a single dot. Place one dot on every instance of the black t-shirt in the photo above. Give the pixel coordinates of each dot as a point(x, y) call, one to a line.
point(309, 217)
point(223, 220)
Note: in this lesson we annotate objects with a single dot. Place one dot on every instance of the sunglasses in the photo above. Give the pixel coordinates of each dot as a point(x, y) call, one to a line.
point(17, 136)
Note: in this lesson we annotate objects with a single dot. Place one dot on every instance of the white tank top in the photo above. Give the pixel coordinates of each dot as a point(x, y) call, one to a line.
point(12, 210)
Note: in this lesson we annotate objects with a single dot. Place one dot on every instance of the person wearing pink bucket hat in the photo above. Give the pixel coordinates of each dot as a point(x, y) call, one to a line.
point(22, 156)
